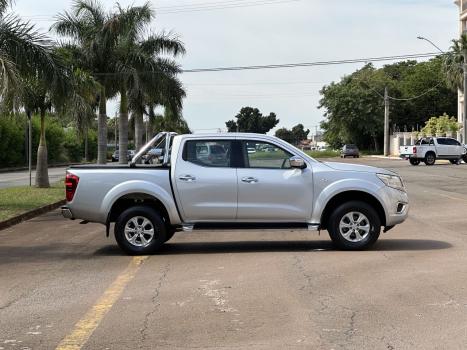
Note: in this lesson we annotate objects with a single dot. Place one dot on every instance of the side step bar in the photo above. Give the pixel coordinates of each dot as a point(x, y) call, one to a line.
point(187, 227)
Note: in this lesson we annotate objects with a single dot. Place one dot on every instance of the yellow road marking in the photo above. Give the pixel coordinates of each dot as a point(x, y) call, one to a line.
point(88, 324)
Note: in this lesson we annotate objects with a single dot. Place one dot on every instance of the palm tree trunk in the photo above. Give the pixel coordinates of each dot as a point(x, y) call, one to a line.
point(102, 129)
point(123, 127)
point(42, 172)
point(139, 130)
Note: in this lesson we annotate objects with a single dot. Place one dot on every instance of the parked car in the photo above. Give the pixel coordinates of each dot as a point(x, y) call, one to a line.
point(116, 155)
point(350, 150)
point(428, 149)
point(283, 188)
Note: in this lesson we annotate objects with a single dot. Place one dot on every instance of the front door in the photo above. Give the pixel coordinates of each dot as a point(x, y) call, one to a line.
point(269, 190)
point(206, 181)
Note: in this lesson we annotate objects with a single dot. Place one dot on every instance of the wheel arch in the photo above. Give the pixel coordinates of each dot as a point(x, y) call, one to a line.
point(347, 196)
point(137, 198)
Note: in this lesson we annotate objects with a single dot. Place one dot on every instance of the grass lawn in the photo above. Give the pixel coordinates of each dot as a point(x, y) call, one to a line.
point(17, 200)
point(323, 154)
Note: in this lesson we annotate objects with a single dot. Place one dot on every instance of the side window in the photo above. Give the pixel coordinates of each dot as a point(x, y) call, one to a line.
point(210, 153)
point(453, 142)
point(260, 154)
point(442, 141)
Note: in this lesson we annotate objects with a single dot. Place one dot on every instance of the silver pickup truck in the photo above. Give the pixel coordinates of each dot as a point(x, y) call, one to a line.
point(233, 179)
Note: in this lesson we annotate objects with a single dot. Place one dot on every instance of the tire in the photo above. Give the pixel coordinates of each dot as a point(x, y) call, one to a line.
point(414, 161)
point(127, 222)
point(455, 161)
point(464, 158)
point(430, 158)
point(354, 210)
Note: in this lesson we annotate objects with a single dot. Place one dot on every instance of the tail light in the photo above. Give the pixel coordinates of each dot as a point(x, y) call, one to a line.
point(71, 182)
point(414, 150)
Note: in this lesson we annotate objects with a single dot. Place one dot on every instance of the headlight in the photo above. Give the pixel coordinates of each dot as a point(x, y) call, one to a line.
point(392, 181)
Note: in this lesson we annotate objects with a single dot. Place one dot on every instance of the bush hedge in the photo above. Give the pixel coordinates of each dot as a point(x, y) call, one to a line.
point(63, 144)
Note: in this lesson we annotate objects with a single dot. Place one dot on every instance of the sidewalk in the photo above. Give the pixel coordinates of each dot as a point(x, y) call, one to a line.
point(385, 157)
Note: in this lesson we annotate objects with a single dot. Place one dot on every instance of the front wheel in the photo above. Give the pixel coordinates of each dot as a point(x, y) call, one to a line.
point(140, 230)
point(464, 158)
point(354, 225)
point(414, 161)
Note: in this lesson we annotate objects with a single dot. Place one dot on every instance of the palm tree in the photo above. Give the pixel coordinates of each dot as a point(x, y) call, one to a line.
point(31, 75)
point(91, 40)
point(453, 62)
point(142, 73)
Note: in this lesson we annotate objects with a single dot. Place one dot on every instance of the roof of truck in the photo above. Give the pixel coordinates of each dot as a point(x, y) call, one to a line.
point(227, 134)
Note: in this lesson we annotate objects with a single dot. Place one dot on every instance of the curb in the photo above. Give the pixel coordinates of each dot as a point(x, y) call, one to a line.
point(385, 157)
point(58, 165)
point(30, 214)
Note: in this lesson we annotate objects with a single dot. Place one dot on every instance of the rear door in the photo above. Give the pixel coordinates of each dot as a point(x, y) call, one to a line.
point(206, 180)
point(442, 148)
point(269, 190)
point(455, 147)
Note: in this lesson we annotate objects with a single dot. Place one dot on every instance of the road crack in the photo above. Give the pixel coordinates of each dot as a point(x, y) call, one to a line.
point(155, 305)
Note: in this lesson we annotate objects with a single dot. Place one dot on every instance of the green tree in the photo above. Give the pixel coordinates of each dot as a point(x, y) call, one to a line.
point(354, 111)
point(251, 120)
point(285, 134)
point(144, 77)
point(294, 136)
point(171, 121)
point(91, 42)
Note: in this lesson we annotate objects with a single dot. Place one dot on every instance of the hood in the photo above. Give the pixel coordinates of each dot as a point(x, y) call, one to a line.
point(357, 167)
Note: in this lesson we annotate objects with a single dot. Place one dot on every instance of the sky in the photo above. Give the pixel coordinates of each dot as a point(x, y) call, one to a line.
point(259, 32)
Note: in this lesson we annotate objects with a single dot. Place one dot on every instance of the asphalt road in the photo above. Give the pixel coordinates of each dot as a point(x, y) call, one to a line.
point(21, 178)
point(65, 283)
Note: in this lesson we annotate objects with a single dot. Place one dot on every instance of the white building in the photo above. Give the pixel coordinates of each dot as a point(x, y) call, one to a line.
point(462, 4)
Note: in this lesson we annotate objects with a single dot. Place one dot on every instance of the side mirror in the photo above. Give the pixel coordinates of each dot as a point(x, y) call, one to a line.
point(297, 163)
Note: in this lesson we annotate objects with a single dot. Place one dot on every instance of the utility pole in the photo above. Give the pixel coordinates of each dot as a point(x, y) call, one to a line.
point(30, 149)
point(386, 121)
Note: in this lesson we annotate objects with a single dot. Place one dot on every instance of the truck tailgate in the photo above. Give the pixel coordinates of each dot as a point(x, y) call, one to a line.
point(406, 151)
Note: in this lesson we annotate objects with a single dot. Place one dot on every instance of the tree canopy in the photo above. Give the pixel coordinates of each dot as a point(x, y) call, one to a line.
point(251, 120)
point(354, 106)
point(295, 135)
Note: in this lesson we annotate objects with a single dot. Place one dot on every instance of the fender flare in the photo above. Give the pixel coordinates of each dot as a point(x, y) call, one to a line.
point(342, 186)
point(139, 186)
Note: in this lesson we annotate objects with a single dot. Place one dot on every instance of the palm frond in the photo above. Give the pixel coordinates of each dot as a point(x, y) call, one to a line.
point(163, 43)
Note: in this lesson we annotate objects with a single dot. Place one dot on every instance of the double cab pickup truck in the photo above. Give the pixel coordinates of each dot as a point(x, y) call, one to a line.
point(428, 149)
point(233, 179)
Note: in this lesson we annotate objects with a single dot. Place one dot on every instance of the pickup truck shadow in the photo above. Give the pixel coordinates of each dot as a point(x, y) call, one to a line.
point(173, 248)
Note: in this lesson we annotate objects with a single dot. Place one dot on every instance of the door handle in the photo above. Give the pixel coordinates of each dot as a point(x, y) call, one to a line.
point(187, 178)
point(249, 179)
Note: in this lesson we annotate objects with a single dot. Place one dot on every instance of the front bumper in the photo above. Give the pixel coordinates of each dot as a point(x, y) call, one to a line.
point(397, 206)
point(66, 213)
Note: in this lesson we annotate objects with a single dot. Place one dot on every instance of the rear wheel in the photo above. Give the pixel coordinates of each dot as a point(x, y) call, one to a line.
point(354, 225)
point(414, 161)
point(140, 230)
point(430, 158)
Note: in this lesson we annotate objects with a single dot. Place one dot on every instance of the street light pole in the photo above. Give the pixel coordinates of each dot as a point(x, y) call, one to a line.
point(464, 103)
